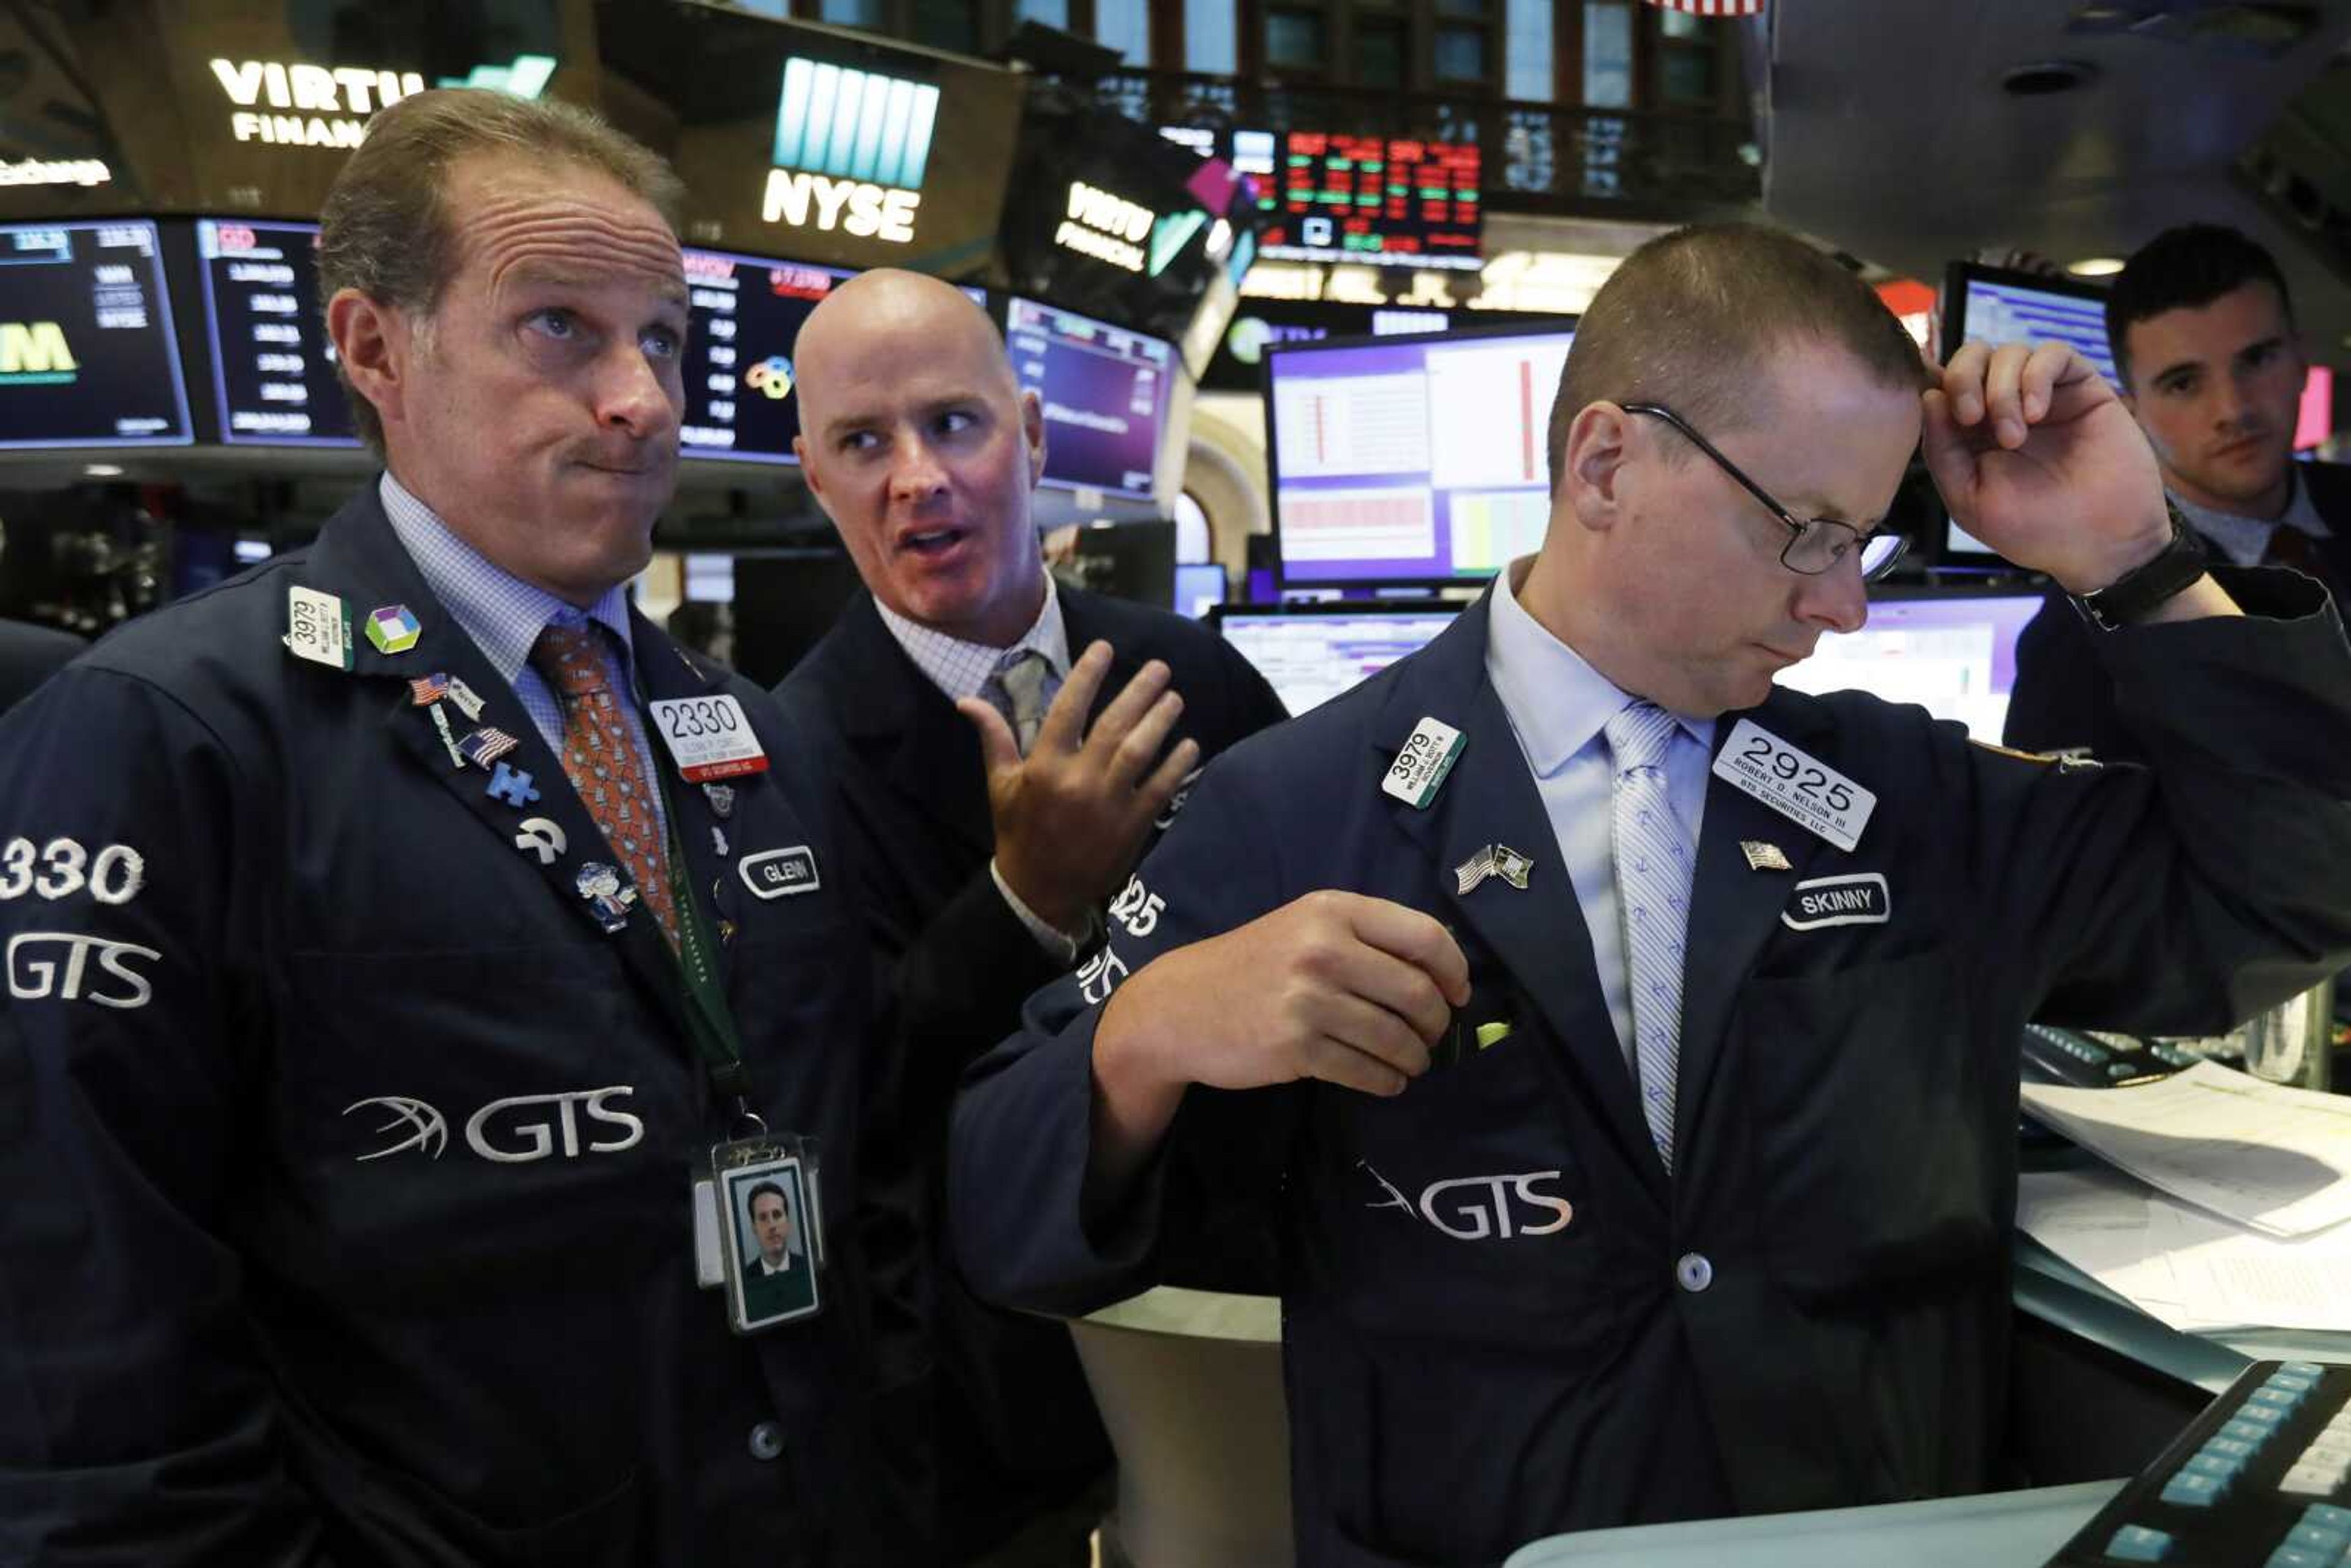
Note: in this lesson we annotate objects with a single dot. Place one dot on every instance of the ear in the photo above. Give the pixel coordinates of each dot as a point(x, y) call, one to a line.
point(808, 470)
point(1032, 429)
point(372, 341)
point(1594, 465)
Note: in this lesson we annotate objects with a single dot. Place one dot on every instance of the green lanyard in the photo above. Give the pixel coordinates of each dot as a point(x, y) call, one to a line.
point(707, 1016)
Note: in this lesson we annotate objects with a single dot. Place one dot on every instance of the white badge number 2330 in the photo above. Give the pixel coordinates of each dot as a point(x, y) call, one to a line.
point(63, 867)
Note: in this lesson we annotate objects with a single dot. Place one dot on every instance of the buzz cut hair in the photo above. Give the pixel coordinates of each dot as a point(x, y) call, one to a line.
point(1695, 319)
point(385, 229)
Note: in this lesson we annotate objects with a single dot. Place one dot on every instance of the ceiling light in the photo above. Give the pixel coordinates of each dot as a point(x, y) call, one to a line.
point(2038, 79)
point(103, 470)
point(2096, 266)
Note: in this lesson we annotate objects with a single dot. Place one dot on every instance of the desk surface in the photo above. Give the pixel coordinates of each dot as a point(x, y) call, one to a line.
point(1999, 1530)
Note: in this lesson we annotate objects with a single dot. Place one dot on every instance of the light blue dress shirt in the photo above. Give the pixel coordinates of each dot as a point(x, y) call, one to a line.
point(1558, 706)
point(504, 616)
point(2245, 540)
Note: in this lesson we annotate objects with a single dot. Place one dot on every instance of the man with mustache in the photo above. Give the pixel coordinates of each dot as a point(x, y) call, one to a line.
point(2203, 335)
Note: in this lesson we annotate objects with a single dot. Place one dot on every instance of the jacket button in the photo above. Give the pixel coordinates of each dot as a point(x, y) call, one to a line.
point(1694, 1273)
point(767, 1440)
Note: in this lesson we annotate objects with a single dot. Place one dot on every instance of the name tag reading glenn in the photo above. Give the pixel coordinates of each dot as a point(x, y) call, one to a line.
point(708, 737)
point(777, 874)
point(1797, 785)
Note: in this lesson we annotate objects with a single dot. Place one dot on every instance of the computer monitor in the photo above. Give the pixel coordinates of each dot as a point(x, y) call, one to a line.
point(1105, 393)
point(1199, 587)
point(1951, 651)
point(1411, 461)
point(746, 312)
point(274, 379)
point(1996, 306)
point(1310, 653)
point(89, 356)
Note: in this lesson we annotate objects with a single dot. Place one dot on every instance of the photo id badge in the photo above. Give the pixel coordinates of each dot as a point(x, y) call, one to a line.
point(771, 1229)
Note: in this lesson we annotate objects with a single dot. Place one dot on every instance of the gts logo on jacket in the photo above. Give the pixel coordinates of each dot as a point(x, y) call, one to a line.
point(1482, 1207)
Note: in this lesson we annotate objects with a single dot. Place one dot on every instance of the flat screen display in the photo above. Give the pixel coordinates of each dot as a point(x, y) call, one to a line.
point(1996, 307)
point(1386, 201)
point(1954, 655)
point(1199, 587)
point(747, 313)
point(1308, 654)
point(88, 357)
point(1105, 394)
point(273, 366)
point(1418, 459)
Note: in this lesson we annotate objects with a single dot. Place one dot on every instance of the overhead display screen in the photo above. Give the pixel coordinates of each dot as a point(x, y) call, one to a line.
point(87, 353)
point(739, 365)
point(747, 313)
point(1389, 201)
point(274, 377)
point(1104, 389)
point(1412, 459)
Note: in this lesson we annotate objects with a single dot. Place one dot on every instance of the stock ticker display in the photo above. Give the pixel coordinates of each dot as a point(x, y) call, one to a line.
point(87, 353)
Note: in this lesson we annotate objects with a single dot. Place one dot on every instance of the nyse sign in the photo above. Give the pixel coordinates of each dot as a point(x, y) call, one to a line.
point(851, 150)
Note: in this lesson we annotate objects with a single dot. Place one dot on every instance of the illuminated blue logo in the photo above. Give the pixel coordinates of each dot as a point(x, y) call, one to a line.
point(526, 78)
point(854, 125)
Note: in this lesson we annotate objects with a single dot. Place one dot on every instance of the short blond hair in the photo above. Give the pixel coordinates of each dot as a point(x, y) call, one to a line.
point(385, 229)
point(1693, 318)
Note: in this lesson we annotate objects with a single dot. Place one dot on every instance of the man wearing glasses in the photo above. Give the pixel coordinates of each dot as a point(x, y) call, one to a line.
point(1628, 1046)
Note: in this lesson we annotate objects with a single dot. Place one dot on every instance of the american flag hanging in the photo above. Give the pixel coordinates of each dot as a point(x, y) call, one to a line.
point(1712, 8)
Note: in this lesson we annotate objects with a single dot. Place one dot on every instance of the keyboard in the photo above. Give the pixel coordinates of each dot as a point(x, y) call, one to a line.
point(2097, 1059)
point(2260, 1479)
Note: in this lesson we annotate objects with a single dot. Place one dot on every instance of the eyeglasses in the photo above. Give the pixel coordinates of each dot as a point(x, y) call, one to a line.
point(1815, 544)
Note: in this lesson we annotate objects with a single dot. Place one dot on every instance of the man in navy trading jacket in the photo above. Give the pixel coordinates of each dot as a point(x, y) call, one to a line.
point(2201, 328)
point(1653, 1078)
point(393, 932)
point(989, 839)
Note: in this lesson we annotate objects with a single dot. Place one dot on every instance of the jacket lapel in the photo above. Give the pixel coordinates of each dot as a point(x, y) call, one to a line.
point(1734, 909)
point(1538, 932)
point(360, 558)
point(906, 730)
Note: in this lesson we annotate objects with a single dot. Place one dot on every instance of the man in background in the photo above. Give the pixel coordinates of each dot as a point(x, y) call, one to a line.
point(1005, 747)
point(2203, 332)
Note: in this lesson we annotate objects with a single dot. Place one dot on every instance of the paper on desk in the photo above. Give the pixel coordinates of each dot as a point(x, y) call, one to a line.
point(2182, 1265)
point(2274, 1158)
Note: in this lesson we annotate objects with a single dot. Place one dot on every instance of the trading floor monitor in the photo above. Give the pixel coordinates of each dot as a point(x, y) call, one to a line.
point(1953, 654)
point(1413, 461)
point(1310, 653)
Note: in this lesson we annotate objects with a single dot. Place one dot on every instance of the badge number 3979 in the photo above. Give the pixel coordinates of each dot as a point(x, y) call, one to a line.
point(708, 737)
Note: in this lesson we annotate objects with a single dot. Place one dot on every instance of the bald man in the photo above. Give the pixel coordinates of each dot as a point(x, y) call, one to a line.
point(1006, 747)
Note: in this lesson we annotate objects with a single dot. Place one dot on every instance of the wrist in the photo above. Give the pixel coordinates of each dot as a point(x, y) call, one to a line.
point(2155, 579)
point(1128, 1065)
point(2142, 549)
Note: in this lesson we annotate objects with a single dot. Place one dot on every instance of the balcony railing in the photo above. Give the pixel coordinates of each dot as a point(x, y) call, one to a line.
point(1537, 156)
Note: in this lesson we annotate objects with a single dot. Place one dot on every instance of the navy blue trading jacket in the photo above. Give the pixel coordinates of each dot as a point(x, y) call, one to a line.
point(1502, 1319)
point(346, 1156)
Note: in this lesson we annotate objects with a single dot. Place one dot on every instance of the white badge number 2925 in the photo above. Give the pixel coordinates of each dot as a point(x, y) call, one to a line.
point(1796, 784)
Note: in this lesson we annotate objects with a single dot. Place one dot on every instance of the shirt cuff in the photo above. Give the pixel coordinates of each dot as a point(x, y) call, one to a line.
point(1056, 942)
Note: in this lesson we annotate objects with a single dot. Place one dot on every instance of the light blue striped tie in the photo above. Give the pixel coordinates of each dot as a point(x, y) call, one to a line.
point(1653, 884)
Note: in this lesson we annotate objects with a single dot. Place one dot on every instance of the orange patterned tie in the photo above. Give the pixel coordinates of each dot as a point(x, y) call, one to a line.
point(602, 762)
